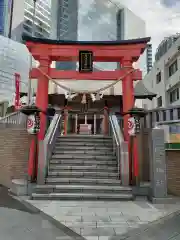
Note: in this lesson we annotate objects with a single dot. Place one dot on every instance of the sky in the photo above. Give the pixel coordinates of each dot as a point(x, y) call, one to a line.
point(162, 17)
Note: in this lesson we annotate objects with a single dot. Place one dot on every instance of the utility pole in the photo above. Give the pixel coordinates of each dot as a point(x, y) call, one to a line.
point(11, 19)
point(33, 31)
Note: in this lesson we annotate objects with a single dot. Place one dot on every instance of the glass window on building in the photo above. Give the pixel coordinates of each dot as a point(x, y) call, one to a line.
point(159, 101)
point(173, 68)
point(174, 95)
point(158, 77)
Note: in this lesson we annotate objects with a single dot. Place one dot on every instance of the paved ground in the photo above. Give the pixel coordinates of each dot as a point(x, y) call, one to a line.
point(104, 220)
point(18, 223)
point(87, 220)
point(166, 230)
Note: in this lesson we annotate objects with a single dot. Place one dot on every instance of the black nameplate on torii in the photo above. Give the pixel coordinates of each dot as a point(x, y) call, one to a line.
point(85, 61)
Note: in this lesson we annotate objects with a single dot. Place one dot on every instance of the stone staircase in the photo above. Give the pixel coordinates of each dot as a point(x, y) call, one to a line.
point(83, 168)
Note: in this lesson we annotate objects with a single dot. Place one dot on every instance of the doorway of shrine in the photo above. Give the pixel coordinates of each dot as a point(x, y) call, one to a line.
point(85, 122)
point(88, 116)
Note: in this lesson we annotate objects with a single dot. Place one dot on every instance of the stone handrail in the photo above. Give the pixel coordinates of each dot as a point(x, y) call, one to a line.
point(121, 149)
point(46, 147)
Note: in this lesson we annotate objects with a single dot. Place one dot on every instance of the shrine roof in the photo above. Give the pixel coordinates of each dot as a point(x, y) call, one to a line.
point(69, 42)
point(141, 92)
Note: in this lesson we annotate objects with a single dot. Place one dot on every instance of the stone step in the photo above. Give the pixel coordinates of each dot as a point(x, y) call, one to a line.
point(84, 136)
point(89, 152)
point(83, 139)
point(83, 196)
point(101, 168)
point(90, 144)
point(89, 174)
point(81, 188)
point(83, 156)
point(82, 148)
point(83, 181)
point(86, 162)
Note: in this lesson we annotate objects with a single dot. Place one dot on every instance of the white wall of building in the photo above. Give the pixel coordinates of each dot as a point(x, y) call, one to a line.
point(18, 18)
point(14, 58)
point(135, 27)
point(167, 84)
point(54, 10)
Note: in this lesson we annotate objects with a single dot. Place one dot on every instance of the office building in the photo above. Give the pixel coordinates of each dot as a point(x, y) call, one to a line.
point(42, 18)
point(67, 26)
point(23, 14)
point(164, 78)
point(102, 20)
point(5, 13)
point(98, 21)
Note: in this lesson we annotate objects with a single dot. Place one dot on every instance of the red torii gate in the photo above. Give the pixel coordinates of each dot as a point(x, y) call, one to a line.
point(45, 51)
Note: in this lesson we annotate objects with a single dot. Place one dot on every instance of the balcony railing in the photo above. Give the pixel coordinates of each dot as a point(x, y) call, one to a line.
point(162, 115)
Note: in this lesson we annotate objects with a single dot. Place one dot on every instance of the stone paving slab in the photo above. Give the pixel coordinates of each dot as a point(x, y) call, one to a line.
point(103, 220)
point(164, 230)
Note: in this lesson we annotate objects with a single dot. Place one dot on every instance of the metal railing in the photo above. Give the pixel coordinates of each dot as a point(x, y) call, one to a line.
point(46, 147)
point(16, 118)
point(120, 148)
point(116, 142)
point(171, 136)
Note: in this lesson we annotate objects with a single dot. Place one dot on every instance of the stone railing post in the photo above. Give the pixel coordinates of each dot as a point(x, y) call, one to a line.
point(65, 120)
point(158, 175)
point(106, 121)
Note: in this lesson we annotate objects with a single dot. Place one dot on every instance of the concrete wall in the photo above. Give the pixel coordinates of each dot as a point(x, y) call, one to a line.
point(14, 151)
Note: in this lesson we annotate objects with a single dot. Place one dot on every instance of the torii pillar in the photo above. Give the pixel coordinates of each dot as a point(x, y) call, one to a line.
point(127, 94)
point(128, 103)
point(42, 93)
